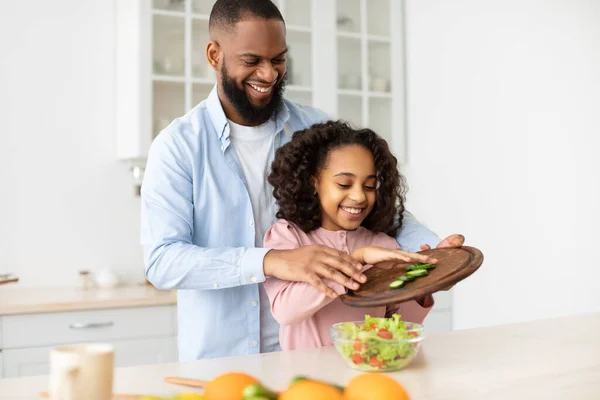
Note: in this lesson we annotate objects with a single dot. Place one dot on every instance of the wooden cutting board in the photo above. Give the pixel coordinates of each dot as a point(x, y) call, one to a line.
point(454, 265)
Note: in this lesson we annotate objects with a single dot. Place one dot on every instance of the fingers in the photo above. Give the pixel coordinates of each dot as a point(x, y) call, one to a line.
point(375, 255)
point(343, 262)
point(409, 257)
point(343, 256)
point(328, 272)
point(457, 240)
point(338, 264)
point(318, 283)
point(425, 247)
point(386, 264)
point(452, 241)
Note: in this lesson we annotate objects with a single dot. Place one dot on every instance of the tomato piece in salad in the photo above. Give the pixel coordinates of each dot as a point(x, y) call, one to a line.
point(384, 334)
point(357, 358)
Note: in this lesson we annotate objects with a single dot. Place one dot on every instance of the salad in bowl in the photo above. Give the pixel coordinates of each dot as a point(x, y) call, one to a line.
point(377, 344)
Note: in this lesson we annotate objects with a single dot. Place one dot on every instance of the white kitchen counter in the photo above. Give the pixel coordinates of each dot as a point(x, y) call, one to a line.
point(32, 300)
point(548, 359)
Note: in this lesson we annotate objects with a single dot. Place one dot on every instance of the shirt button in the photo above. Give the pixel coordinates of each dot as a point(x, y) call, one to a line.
point(254, 343)
point(253, 279)
point(251, 222)
point(254, 304)
point(215, 285)
point(222, 147)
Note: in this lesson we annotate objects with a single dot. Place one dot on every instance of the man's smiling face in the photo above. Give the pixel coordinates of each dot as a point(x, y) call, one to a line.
point(252, 69)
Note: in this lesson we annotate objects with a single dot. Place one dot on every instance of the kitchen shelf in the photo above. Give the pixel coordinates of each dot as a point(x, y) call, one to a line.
point(350, 92)
point(380, 95)
point(350, 35)
point(377, 38)
point(168, 13)
point(168, 78)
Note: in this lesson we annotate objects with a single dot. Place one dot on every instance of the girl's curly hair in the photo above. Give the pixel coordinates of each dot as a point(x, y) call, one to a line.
point(307, 153)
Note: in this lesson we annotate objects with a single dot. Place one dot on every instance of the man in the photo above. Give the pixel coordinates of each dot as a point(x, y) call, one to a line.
point(206, 203)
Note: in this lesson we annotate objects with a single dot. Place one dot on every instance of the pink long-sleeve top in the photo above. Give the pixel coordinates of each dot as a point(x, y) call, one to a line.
point(305, 315)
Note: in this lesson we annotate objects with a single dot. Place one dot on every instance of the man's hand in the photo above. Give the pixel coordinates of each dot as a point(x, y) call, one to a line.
point(451, 241)
point(311, 264)
point(380, 255)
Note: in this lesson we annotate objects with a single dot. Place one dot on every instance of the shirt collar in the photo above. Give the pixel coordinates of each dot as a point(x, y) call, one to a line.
point(219, 120)
point(216, 113)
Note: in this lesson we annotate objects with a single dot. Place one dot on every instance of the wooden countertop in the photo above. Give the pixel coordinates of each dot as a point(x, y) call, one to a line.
point(549, 359)
point(30, 300)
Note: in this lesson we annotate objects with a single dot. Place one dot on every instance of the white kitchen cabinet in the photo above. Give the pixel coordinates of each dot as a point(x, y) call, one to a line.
point(26, 362)
point(31, 330)
point(36, 360)
point(140, 335)
point(345, 57)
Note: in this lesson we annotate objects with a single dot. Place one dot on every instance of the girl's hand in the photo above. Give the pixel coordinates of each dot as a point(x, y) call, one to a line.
point(387, 257)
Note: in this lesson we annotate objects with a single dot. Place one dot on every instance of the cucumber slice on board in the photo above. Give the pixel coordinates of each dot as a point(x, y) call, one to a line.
point(417, 273)
point(416, 266)
point(405, 278)
point(396, 284)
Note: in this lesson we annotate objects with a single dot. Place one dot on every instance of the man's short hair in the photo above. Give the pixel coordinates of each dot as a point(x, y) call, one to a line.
point(226, 14)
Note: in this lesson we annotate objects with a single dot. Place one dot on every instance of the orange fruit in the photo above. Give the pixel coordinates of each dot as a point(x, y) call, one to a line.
point(310, 390)
point(374, 386)
point(228, 386)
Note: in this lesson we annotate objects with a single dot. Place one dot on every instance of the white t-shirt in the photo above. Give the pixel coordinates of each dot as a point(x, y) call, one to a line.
point(253, 146)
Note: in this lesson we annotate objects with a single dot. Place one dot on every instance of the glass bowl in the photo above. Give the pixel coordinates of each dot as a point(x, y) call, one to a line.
point(376, 350)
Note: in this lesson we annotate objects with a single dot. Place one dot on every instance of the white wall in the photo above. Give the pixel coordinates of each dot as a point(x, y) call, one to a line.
point(504, 125)
point(65, 204)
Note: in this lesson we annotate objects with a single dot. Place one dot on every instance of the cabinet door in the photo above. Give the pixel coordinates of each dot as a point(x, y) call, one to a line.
point(298, 17)
point(26, 362)
point(1, 364)
point(370, 78)
point(36, 361)
point(37, 330)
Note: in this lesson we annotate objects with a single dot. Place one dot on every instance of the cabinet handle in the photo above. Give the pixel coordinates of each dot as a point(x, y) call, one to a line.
point(91, 325)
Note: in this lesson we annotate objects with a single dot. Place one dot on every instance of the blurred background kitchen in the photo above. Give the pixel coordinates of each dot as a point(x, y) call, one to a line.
point(491, 106)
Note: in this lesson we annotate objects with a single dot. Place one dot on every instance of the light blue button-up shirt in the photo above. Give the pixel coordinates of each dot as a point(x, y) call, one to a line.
point(198, 229)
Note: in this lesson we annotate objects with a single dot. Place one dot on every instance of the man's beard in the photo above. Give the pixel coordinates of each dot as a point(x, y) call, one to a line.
point(252, 115)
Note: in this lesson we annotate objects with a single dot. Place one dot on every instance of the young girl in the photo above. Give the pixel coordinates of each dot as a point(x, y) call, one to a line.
point(339, 187)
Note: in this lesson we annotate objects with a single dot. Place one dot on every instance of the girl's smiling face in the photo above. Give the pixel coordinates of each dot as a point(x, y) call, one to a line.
point(347, 187)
